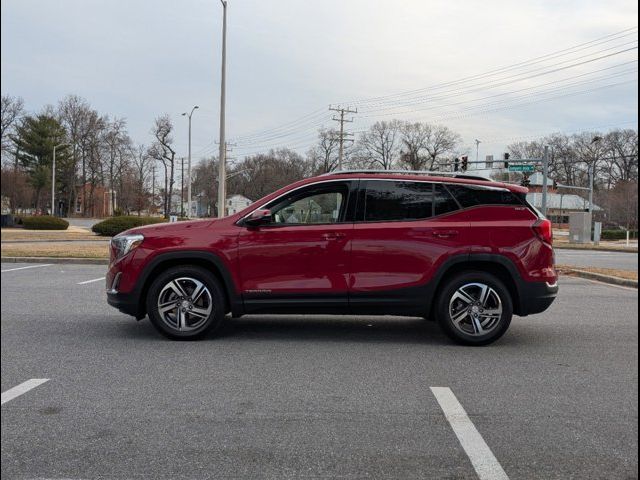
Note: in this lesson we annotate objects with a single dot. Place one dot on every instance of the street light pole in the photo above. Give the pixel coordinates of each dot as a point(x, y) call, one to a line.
point(478, 142)
point(189, 164)
point(222, 167)
point(53, 179)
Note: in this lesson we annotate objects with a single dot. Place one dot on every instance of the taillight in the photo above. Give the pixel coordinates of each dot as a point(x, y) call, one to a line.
point(544, 230)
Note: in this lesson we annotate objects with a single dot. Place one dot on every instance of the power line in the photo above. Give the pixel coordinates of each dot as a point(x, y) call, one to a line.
point(494, 85)
point(562, 87)
point(626, 32)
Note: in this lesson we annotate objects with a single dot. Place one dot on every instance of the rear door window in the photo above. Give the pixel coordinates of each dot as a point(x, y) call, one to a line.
point(388, 200)
point(443, 202)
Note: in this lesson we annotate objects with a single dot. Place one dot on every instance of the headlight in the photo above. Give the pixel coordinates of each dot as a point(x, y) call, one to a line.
point(123, 244)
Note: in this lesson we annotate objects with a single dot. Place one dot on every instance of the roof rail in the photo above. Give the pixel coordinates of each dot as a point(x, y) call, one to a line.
point(432, 173)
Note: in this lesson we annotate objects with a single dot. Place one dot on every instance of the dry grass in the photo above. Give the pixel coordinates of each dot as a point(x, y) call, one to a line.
point(72, 233)
point(612, 272)
point(99, 250)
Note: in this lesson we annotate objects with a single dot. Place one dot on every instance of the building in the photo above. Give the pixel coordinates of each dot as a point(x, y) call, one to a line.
point(93, 201)
point(235, 203)
point(560, 202)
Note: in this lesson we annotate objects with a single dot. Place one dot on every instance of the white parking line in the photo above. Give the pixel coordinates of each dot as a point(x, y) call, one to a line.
point(484, 462)
point(91, 281)
point(24, 268)
point(22, 388)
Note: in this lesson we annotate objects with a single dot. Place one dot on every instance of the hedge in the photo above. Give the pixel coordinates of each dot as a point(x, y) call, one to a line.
point(618, 234)
point(114, 225)
point(45, 222)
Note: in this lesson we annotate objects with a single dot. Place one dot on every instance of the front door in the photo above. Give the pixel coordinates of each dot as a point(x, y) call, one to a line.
point(300, 261)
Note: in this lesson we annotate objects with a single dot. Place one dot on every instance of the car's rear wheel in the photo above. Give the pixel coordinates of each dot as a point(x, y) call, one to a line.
point(185, 302)
point(474, 308)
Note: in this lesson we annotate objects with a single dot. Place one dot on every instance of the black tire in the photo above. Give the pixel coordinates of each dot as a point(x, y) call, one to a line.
point(446, 294)
point(217, 301)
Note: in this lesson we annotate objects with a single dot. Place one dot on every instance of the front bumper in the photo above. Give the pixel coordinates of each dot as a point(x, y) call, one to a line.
point(126, 302)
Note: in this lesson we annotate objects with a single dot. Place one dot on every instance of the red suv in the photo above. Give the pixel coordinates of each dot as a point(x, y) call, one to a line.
point(465, 251)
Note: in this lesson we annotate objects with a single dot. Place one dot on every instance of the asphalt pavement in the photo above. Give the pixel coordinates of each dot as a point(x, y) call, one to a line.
point(596, 258)
point(312, 397)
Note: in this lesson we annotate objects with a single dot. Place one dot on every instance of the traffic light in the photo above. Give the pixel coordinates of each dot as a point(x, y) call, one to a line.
point(506, 160)
point(456, 165)
point(465, 163)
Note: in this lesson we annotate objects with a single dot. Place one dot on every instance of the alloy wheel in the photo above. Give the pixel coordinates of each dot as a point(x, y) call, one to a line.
point(475, 309)
point(185, 304)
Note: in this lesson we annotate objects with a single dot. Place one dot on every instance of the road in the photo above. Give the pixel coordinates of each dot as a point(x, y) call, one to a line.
point(311, 397)
point(595, 258)
point(83, 222)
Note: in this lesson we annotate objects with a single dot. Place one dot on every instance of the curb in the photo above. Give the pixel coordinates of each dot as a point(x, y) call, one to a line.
point(594, 249)
point(73, 261)
point(623, 282)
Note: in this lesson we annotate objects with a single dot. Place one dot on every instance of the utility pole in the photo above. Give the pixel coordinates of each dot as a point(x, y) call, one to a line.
point(182, 187)
point(53, 179)
point(545, 173)
point(226, 149)
point(222, 167)
point(592, 171)
point(342, 134)
point(185, 114)
point(153, 188)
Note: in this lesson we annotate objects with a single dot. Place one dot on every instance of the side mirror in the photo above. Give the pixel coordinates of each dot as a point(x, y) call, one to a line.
point(259, 217)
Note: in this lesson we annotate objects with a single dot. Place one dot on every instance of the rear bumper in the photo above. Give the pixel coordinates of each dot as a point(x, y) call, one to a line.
point(536, 297)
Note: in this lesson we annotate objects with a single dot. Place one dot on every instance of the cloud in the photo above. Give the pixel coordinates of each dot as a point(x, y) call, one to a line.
point(288, 58)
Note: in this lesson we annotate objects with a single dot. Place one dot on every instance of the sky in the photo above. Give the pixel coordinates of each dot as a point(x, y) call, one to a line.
point(288, 60)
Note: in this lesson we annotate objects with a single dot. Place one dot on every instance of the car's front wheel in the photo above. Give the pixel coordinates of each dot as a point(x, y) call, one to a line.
point(185, 302)
point(474, 308)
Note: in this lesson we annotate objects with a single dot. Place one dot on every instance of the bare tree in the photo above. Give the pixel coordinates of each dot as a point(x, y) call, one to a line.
point(379, 145)
point(11, 109)
point(414, 138)
point(162, 150)
point(76, 116)
point(622, 155)
point(264, 173)
point(142, 165)
point(441, 141)
point(116, 144)
point(324, 155)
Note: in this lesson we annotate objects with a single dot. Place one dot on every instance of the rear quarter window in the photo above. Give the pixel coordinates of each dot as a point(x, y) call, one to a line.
point(469, 196)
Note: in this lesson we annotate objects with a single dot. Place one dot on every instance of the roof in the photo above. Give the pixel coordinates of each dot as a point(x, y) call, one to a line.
point(537, 180)
point(238, 196)
point(566, 201)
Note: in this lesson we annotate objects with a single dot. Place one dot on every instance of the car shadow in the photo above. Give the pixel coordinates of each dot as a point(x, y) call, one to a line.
point(268, 328)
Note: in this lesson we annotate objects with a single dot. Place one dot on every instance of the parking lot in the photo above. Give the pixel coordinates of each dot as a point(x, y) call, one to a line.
point(313, 397)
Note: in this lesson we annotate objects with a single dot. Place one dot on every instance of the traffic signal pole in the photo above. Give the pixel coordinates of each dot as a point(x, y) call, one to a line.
point(545, 173)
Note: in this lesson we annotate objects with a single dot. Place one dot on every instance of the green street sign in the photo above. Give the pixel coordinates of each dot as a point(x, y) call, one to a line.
point(522, 168)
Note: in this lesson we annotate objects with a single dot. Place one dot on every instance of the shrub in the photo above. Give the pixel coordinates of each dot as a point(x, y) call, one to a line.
point(618, 234)
point(114, 225)
point(45, 222)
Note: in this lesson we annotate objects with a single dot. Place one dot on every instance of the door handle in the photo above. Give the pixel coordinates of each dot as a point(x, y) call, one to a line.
point(333, 236)
point(445, 233)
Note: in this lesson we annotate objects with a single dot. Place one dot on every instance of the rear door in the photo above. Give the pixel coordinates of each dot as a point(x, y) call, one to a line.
point(404, 231)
